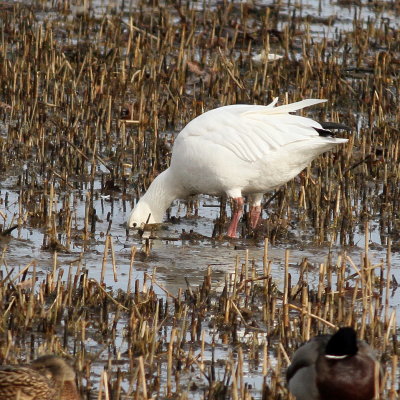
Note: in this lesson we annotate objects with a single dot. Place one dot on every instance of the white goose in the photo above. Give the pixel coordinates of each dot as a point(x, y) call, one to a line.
point(236, 150)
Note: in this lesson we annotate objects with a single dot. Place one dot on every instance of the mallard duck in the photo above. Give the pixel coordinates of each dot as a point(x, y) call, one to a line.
point(236, 150)
point(46, 378)
point(333, 367)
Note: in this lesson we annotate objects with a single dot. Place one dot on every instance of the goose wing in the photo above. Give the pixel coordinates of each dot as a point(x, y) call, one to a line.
point(250, 131)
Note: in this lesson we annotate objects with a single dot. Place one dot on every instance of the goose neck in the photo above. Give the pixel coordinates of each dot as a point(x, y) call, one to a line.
point(161, 193)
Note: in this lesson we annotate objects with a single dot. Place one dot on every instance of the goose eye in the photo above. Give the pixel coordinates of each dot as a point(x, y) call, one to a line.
point(134, 224)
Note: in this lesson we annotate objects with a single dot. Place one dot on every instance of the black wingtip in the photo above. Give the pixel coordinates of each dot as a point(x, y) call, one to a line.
point(334, 125)
point(324, 132)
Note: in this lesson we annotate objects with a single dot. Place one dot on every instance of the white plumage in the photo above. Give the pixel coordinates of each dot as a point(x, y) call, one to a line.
point(236, 150)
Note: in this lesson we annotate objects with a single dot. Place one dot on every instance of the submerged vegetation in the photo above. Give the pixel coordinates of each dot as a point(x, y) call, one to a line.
point(92, 96)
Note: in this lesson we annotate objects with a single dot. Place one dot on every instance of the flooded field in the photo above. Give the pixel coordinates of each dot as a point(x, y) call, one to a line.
point(93, 94)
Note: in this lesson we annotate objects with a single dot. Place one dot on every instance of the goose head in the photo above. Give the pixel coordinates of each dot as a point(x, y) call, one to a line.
point(142, 214)
point(150, 209)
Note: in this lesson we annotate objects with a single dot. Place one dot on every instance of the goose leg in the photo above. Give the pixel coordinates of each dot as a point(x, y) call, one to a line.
point(237, 213)
point(255, 200)
point(255, 213)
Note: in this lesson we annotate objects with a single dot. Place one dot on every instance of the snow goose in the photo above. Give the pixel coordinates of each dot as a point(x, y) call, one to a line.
point(334, 367)
point(236, 150)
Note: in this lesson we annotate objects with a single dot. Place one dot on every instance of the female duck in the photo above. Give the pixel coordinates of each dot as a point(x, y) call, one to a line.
point(46, 378)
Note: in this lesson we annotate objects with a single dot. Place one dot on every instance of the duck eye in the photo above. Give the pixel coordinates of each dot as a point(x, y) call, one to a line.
point(134, 224)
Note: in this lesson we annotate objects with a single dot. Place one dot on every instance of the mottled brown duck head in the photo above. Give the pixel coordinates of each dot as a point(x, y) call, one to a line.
point(60, 373)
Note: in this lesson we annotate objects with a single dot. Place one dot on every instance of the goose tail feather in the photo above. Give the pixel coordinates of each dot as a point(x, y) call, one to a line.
point(287, 108)
point(270, 109)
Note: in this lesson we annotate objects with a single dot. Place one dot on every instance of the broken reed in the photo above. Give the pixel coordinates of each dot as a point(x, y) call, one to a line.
point(201, 340)
point(96, 90)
